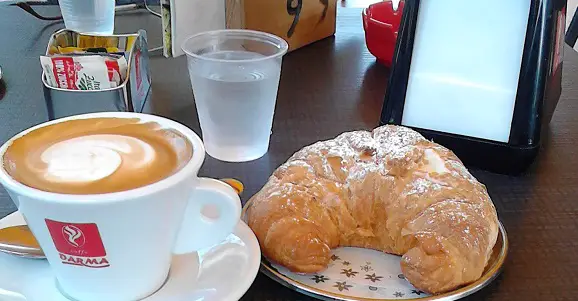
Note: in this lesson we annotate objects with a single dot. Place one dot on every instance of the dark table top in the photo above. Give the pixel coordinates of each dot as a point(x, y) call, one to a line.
point(327, 88)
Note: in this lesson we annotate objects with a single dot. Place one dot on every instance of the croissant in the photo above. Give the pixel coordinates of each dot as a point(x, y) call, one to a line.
point(390, 190)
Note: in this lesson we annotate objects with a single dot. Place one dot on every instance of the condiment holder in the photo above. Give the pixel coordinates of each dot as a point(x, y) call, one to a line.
point(130, 96)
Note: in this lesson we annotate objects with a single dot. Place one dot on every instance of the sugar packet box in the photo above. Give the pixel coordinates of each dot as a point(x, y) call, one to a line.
point(68, 95)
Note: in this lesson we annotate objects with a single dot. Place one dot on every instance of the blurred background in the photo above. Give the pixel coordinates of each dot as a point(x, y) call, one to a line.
point(572, 6)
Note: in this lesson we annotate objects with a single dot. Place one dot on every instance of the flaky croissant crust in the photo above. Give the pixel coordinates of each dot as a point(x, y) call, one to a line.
point(390, 190)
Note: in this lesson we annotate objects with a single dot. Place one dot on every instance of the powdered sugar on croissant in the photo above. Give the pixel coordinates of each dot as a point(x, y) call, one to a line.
point(390, 190)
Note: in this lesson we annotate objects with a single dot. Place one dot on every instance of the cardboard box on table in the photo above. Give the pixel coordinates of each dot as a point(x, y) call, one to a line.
point(299, 22)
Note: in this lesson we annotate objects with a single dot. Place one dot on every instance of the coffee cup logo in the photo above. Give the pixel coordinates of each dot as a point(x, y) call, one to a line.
point(74, 236)
point(78, 244)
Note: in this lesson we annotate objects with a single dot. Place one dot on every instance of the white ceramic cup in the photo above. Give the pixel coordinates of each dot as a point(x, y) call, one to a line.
point(118, 246)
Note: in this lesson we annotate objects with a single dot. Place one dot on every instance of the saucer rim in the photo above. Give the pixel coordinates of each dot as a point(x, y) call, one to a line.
point(242, 231)
point(254, 263)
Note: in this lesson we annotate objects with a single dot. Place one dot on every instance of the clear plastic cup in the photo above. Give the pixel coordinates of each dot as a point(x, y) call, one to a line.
point(88, 16)
point(235, 76)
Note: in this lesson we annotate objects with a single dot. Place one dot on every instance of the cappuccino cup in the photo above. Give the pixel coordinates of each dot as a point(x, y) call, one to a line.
point(110, 197)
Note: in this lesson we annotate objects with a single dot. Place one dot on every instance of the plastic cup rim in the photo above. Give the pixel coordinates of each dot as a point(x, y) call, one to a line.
point(264, 37)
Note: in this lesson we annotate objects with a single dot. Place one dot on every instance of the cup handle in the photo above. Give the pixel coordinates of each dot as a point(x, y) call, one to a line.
point(199, 231)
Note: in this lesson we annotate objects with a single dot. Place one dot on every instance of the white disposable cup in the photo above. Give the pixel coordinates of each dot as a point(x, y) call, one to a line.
point(118, 246)
point(235, 76)
point(88, 16)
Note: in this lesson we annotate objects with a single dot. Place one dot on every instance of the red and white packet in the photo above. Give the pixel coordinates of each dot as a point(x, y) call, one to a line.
point(84, 72)
point(116, 70)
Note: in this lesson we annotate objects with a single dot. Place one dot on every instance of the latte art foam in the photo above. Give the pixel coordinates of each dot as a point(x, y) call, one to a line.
point(99, 155)
point(95, 157)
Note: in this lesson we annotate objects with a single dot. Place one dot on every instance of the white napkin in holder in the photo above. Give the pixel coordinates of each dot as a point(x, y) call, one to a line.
point(183, 18)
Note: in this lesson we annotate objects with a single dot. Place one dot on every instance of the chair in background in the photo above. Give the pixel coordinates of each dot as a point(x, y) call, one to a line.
point(572, 32)
point(121, 5)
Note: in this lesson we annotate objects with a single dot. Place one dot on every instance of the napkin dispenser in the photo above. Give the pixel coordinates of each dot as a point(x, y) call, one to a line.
point(480, 77)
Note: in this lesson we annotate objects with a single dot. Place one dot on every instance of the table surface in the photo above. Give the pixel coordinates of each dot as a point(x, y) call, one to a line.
point(327, 88)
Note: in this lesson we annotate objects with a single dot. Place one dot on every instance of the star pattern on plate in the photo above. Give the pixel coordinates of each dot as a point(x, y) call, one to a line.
point(319, 278)
point(341, 286)
point(373, 277)
point(366, 268)
point(349, 272)
point(354, 274)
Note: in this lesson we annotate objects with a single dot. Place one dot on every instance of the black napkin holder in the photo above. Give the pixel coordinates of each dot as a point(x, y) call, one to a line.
point(538, 90)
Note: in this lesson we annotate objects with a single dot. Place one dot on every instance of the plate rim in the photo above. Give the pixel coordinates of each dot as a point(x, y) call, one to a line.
point(462, 292)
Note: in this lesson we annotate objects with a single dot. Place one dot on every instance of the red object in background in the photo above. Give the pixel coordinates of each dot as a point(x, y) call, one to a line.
point(381, 24)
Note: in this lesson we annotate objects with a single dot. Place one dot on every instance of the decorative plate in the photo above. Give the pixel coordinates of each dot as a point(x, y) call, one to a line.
point(362, 274)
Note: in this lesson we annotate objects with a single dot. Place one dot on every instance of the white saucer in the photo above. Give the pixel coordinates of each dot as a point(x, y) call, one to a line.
point(223, 272)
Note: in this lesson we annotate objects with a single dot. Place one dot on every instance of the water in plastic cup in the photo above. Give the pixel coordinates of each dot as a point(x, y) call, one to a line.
point(235, 76)
point(88, 16)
